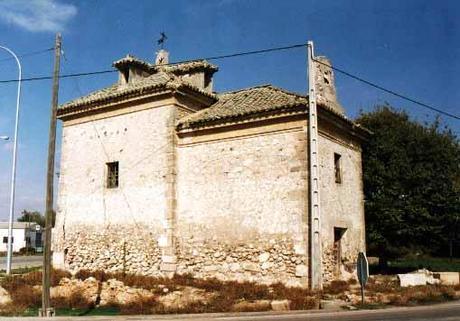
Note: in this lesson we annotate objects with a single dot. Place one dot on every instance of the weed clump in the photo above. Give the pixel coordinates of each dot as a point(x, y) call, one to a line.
point(422, 295)
point(337, 287)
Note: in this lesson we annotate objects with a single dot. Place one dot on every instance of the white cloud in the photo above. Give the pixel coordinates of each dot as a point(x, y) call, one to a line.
point(37, 15)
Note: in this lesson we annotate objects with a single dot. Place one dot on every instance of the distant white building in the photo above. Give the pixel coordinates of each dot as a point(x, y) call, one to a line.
point(25, 234)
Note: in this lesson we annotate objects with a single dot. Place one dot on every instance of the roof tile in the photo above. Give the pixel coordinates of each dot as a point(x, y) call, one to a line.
point(243, 102)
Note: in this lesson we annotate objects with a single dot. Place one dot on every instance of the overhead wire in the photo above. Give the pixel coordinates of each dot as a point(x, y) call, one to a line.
point(28, 54)
point(245, 53)
point(389, 91)
point(168, 64)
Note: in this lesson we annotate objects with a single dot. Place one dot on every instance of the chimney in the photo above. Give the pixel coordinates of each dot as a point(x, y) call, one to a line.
point(162, 57)
point(325, 85)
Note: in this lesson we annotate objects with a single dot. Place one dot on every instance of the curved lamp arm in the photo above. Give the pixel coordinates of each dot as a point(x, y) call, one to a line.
point(13, 171)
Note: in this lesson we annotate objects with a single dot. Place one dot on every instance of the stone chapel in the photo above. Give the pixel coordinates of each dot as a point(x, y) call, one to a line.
point(160, 174)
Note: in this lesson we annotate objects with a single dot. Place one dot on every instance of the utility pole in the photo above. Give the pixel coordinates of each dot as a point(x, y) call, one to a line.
point(315, 217)
point(46, 310)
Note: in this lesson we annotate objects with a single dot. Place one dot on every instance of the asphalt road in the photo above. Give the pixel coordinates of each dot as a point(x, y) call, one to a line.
point(22, 261)
point(441, 312)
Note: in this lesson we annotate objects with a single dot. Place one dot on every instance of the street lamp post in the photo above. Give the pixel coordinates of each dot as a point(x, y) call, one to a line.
point(13, 170)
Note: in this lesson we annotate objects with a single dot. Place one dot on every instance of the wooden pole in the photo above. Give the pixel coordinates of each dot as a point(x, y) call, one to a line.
point(46, 309)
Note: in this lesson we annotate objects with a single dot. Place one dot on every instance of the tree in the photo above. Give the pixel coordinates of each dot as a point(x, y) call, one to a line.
point(411, 184)
point(35, 216)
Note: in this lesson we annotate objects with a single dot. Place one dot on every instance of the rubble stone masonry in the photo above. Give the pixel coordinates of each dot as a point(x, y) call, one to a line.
point(229, 203)
point(93, 220)
point(242, 205)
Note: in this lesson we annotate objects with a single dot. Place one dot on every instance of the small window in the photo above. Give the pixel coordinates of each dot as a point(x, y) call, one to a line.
point(337, 168)
point(5, 239)
point(112, 175)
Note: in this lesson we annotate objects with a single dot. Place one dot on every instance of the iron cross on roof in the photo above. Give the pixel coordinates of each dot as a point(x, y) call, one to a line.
point(162, 39)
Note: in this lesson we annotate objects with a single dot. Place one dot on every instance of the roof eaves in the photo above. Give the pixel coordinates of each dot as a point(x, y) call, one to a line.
point(186, 124)
point(130, 59)
point(115, 96)
point(183, 67)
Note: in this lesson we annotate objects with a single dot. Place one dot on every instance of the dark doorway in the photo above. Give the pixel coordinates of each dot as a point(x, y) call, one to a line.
point(338, 234)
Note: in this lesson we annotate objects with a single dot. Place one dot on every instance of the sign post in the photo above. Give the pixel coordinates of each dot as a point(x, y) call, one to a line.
point(363, 272)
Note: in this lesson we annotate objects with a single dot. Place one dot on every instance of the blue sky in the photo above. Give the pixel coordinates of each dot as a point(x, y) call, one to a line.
point(412, 47)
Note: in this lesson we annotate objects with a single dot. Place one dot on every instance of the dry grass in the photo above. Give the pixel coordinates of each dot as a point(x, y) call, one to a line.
point(142, 305)
point(385, 284)
point(301, 299)
point(25, 290)
point(12, 310)
point(336, 287)
point(75, 300)
point(226, 294)
point(221, 296)
point(421, 295)
point(23, 296)
point(10, 283)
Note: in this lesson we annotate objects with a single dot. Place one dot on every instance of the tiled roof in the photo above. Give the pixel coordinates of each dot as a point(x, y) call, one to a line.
point(162, 77)
point(117, 90)
point(231, 105)
point(176, 68)
point(237, 105)
point(157, 81)
point(185, 67)
point(244, 102)
point(131, 60)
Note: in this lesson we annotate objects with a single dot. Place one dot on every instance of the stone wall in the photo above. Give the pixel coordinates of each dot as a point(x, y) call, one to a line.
point(139, 142)
point(120, 248)
point(229, 203)
point(342, 204)
point(242, 206)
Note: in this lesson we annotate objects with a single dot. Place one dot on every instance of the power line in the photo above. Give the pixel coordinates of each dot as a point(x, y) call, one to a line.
point(389, 91)
point(245, 53)
point(33, 53)
point(169, 64)
point(61, 76)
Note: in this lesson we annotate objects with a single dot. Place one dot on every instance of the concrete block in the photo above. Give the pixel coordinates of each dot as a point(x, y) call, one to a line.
point(412, 279)
point(448, 278)
point(280, 305)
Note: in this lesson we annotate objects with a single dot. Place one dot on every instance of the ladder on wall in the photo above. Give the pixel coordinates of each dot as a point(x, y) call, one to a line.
point(315, 222)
